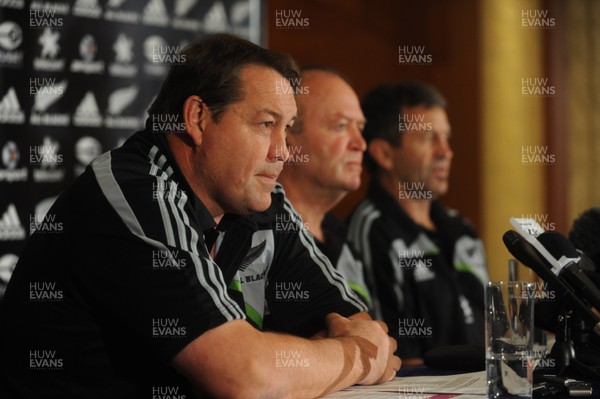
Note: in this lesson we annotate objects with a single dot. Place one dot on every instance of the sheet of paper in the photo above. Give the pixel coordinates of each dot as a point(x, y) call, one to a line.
point(393, 395)
point(422, 387)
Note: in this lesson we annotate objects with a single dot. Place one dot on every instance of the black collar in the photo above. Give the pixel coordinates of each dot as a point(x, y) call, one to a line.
point(390, 208)
point(205, 218)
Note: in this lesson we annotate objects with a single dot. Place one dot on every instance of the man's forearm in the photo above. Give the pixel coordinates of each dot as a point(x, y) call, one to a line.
point(237, 361)
point(329, 364)
point(358, 351)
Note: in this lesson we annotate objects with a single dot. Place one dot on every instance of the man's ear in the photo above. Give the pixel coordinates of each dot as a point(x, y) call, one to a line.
point(195, 117)
point(381, 152)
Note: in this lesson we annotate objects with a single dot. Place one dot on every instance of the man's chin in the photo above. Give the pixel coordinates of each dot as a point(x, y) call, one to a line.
point(259, 206)
point(438, 193)
point(353, 185)
point(350, 188)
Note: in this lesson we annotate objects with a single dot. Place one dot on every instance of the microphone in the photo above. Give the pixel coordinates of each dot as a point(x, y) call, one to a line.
point(529, 230)
point(570, 270)
point(529, 256)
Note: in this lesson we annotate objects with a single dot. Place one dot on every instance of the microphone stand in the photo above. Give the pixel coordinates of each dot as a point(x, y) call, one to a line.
point(562, 351)
point(572, 334)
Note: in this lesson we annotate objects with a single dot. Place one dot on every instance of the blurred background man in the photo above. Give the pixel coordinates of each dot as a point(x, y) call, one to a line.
point(326, 149)
point(427, 263)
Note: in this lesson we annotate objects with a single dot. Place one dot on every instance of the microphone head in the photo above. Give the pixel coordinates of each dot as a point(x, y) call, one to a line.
point(558, 245)
point(525, 253)
point(509, 238)
point(585, 233)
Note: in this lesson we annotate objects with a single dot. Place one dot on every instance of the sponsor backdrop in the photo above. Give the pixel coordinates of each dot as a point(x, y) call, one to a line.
point(76, 79)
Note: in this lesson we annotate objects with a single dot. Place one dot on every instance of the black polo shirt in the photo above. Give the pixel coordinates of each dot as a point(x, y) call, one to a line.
point(277, 271)
point(99, 309)
point(426, 285)
point(343, 256)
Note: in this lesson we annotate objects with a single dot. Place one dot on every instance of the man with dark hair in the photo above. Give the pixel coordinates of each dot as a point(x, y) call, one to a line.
point(168, 277)
point(326, 147)
point(426, 263)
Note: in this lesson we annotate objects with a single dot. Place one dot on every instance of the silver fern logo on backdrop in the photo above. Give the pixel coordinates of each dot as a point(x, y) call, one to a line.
point(43, 100)
point(118, 101)
point(43, 221)
point(182, 18)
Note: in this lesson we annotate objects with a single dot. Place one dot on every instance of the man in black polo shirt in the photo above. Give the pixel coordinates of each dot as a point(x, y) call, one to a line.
point(426, 262)
point(326, 149)
point(130, 300)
